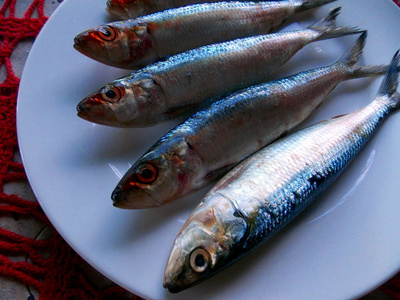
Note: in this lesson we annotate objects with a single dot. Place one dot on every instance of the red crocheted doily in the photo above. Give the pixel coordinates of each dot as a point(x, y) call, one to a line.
point(48, 264)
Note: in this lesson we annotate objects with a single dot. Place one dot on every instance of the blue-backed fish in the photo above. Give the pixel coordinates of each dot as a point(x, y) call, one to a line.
point(135, 43)
point(192, 79)
point(267, 190)
point(214, 140)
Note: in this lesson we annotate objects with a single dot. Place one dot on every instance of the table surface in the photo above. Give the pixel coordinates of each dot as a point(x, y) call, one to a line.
point(12, 289)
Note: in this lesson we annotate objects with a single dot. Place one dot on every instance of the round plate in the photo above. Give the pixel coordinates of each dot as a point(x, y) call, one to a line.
point(343, 246)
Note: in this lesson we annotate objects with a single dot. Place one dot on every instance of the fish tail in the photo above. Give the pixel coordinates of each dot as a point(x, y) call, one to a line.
point(391, 81)
point(351, 57)
point(327, 27)
point(308, 4)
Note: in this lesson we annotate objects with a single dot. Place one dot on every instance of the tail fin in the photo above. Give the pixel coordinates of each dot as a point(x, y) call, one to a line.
point(308, 4)
point(351, 57)
point(391, 81)
point(327, 27)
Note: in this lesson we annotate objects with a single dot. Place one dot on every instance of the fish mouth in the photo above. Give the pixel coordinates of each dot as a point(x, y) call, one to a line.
point(82, 109)
point(85, 112)
point(172, 288)
point(170, 281)
point(116, 196)
point(175, 287)
point(115, 10)
point(79, 43)
point(141, 200)
point(93, 110)
point(109, 6)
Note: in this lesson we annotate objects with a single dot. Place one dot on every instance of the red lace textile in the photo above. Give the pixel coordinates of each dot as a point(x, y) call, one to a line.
point(50, 266)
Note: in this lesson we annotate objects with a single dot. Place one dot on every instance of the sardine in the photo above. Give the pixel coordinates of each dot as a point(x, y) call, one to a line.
point(207, 145)
point(136, 43)
point(129, 9)
point(186, 81)
point(266, 191)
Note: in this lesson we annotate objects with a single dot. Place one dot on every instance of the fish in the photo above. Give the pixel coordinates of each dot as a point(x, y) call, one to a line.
point(129, 9)
point(207, 145)
point(135, 43)
point(188, 81)
point(269, 189)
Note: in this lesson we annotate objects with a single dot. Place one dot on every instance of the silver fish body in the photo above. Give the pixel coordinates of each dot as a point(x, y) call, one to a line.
point(266, 191)
point(185, 81)
point(127, 9)
point(211, 142)
point(135, 43)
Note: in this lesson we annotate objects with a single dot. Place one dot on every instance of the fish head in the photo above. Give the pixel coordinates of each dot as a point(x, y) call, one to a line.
point(126, 8)
point(125, 44)
point(193, 257)
point(205, 244)
point(127, 102)
point(162, 175)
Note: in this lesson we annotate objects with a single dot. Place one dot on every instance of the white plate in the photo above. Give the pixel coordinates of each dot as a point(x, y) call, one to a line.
point(343, 246)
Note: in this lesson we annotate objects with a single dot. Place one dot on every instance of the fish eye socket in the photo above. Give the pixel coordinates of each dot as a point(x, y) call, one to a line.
point(147, 173)
point(112, 94)
point(199, 260)
point(107, 33)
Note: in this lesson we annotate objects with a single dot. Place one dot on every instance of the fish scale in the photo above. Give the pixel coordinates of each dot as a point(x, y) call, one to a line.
point(240, 47)
point(219, 62)
point(190, 80)
point(269, 189)
point(216, 23)
point(208, 144)
point(135, 43)
point(248, 102)
point(126, 10)
point(340, 140)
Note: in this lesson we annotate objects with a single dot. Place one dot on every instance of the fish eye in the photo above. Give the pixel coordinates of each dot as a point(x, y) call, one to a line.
point(199, 260)
point(147, 173)
point(112, 94)
point(107, 33)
